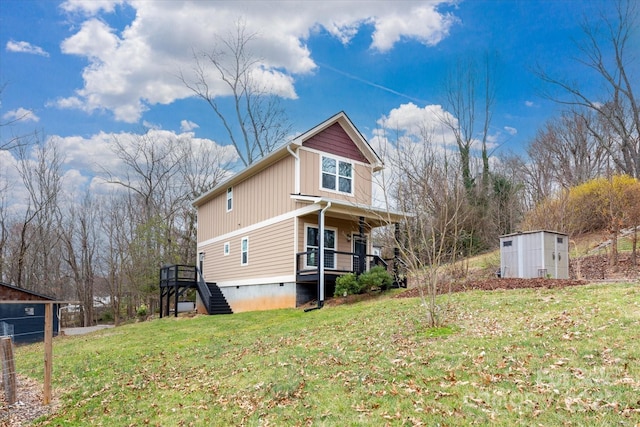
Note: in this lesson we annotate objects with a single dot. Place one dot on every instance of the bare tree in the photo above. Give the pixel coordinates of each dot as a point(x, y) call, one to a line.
point(80, 240)
point(115, 226)
point(162, 175)
point(256, 123)
point(567, 150)
point(5, 225)
point(469, 97)
point(607, 51)
point(428, 188)
point(202, 167)
point(37, 260)
point(154, 194)
point(14, 141)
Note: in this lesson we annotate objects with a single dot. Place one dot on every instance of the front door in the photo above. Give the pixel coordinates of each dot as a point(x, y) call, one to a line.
point(360, 253)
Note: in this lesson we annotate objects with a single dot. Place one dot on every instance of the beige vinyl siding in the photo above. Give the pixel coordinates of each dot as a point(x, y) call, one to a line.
point(265, 195)
point(310, 179)
point(271, 252)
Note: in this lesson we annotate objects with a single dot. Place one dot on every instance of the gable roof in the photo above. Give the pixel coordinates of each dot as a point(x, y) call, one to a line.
point(287, 149)
point(6, 288)
point(347, 125)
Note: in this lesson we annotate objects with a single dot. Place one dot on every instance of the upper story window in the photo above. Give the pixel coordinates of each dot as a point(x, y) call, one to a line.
point(337, 175)
point(229, 199)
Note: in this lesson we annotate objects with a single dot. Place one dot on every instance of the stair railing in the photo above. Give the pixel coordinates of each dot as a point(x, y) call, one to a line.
point(203, 290)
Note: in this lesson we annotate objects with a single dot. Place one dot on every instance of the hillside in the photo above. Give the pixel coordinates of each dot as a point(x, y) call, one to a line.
point(528, 356)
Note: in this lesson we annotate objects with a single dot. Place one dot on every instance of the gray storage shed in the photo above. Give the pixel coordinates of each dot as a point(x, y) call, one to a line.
point(531, 254)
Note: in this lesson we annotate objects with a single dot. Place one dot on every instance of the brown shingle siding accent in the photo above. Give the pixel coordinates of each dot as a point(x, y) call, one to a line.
point(11, 293)
point(334, 140)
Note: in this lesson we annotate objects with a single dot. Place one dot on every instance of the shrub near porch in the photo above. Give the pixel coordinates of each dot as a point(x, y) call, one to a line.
point(375, 278)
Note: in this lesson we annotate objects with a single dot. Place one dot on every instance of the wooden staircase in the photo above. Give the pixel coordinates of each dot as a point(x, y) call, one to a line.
point(217, 302)
point(176, 279)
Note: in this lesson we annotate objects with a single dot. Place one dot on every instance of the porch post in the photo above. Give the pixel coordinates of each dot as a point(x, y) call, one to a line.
point(362, 255)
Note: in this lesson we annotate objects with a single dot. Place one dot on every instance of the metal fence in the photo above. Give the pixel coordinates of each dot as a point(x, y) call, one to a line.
point(6, 329)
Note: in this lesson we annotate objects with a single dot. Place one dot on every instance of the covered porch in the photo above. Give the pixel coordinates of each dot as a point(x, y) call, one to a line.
point(344, 231)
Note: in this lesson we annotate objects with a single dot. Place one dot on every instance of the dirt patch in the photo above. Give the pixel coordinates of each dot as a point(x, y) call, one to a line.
point(496, 283)
point(28, 406)
point(596, 267)
point(581, 270)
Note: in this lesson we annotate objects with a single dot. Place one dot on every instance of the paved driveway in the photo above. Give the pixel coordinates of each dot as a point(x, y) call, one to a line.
point(82, 331)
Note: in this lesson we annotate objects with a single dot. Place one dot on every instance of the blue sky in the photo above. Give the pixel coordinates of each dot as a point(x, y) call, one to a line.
point(83, 70)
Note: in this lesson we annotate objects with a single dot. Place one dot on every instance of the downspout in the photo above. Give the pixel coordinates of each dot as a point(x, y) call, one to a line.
point(296, 178)
point(320, 258)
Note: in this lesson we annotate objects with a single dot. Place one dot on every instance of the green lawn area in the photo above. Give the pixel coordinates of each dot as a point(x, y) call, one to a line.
point(528, 357)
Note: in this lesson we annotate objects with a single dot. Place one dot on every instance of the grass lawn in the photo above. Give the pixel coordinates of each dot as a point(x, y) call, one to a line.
point(529, 357)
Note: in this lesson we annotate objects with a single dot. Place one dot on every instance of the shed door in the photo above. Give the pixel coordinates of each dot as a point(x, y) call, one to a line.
point(509, 258)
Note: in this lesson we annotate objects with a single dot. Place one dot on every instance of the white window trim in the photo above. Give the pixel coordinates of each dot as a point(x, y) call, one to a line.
point(335, 240)
point(343, 160)
point(226, 248)
point(229, 199)
point(242, 252)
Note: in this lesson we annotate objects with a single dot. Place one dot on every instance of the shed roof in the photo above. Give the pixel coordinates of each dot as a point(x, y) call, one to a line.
point(6, 289)
point(518, 233)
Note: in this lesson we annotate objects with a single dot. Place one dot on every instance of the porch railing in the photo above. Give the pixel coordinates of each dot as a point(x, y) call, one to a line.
point(336, 262)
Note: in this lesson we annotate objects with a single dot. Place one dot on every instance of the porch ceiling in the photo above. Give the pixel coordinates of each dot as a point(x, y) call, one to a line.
point(374, 216)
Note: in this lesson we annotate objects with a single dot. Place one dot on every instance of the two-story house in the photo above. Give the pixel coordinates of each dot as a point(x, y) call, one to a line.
point(260, 232)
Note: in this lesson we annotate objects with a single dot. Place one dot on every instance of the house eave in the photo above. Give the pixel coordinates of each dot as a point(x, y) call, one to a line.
point(264, 162)
point(377, 214)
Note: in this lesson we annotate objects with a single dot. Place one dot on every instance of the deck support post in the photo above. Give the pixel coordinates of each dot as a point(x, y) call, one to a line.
point(175, 305)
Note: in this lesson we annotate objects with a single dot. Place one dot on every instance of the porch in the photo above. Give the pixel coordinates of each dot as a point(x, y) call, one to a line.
point(337, 263)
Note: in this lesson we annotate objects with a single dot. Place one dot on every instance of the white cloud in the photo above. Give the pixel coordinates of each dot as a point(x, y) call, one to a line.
point(150, 125)
point(93, 156)
point(90, 7)
point(529, 103)
point(130, 70)
point(510, 130)
point(415, 123)
point(20, 115)
point(188, 126)
point(423, 23)
point(25, 47)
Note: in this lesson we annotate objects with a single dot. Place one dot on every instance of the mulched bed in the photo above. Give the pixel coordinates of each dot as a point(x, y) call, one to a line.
point(596, 267)
point(28, 406)
point(496, 283)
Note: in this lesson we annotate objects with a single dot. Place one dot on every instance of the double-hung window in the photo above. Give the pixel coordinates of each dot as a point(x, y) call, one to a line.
point(337, 175)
